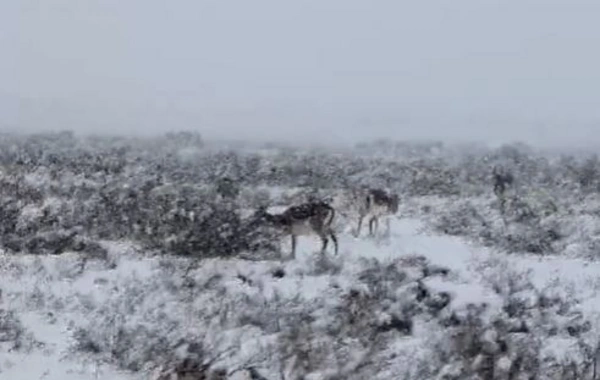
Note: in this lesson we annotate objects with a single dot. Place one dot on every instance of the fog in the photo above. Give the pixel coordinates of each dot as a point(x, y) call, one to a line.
point(329, 71)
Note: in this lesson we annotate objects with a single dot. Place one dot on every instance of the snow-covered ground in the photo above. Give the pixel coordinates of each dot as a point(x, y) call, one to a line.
point(53, 296)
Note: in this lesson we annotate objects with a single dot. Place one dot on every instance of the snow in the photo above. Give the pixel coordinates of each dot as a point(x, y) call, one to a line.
point(52, 363)
point(59, 280)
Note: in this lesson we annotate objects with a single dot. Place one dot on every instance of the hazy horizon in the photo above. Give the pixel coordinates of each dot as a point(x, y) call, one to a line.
point(332, 72)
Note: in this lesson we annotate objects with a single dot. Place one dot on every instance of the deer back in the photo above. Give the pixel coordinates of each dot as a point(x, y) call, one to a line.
point(307, 218)
point(378, 202)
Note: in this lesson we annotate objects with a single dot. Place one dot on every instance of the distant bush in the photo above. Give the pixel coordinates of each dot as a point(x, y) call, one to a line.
point(520, 229)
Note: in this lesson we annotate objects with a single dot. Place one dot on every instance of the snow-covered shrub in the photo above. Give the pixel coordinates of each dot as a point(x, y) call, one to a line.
point(586, 174)
point(9, 214)
point(433, 178)
point(239, 322)
point(517, 340)
point(531, 237)
point(202, 226)
point(252, 198)
point(324, 263)
point(13, 335)
point(154, 338)
point(520, 229)
point(462, 219)
point(343, 342)
point(10, 326)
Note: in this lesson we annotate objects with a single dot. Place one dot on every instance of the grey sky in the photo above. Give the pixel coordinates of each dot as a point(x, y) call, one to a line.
point(337, 70)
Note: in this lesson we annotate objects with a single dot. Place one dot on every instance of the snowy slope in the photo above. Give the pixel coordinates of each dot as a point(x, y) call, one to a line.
point(53, 298)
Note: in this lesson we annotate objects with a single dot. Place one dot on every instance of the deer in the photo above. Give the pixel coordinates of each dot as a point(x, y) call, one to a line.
point(501, 179)
point(374, 204)
point(311, 218)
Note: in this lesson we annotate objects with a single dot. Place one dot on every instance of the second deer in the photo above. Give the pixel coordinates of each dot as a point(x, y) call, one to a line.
point(374, 204)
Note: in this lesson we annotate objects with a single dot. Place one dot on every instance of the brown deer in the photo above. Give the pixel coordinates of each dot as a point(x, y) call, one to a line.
point(374, 204)
point(312, 218)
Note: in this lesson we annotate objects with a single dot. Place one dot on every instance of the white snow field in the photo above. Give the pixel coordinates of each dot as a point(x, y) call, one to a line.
point(54, 296)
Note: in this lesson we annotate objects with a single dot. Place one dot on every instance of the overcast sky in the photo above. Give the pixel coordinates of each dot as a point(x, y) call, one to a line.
point(333, 70)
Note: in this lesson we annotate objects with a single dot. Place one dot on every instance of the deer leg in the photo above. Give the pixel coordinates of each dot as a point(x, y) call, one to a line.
point(294, 246)
point(372, 225)
point(502, 199)
point(360, 220)
point(335, 242)
point(325, 241)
